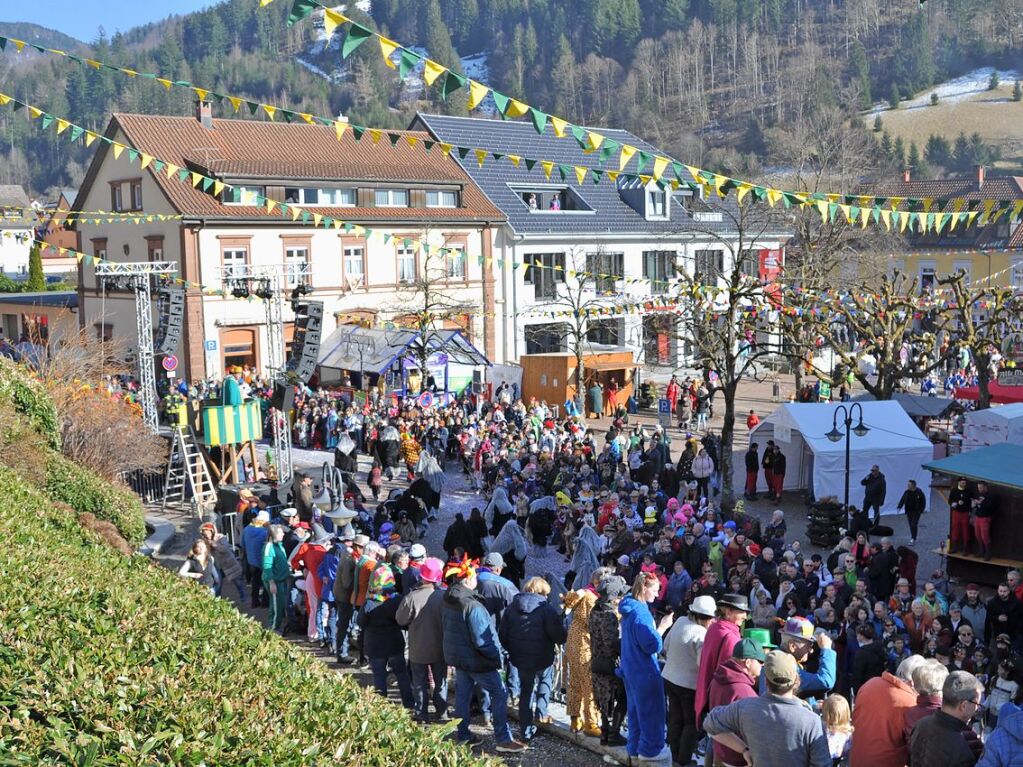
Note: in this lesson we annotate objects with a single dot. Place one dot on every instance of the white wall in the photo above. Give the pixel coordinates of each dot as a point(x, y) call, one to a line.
point(15, 244)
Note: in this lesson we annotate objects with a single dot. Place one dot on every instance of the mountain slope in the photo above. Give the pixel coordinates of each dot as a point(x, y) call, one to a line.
point(34, 33)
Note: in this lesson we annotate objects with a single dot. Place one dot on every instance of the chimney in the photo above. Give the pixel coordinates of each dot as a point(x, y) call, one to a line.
point(907, 172)
point(204, 113)
point(980, 176)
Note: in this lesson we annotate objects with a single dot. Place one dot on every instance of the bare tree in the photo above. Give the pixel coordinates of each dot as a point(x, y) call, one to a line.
point(727, 311)
point(978, 317)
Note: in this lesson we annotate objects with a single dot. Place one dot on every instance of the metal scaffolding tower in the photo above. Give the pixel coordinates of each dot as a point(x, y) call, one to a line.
point(268, 283)
point(138, 277)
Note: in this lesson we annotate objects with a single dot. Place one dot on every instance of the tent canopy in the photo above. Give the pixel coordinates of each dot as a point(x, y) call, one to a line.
point(894, 443)
point(993, 425)
point(918, 405)
point(999, 394)
point(379, 348)
point(996, 465)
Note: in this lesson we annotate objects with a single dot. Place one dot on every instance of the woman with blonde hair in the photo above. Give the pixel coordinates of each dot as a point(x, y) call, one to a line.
point(582, 708)
point(836, 717)
point(531, 629)
point(199, 566)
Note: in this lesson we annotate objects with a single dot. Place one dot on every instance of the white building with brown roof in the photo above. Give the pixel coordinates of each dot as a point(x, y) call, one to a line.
point(402, 193)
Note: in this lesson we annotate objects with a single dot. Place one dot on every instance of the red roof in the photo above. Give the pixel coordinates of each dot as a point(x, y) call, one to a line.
point(234, 149)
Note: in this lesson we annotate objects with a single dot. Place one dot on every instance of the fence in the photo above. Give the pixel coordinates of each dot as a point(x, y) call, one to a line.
point(147, 485)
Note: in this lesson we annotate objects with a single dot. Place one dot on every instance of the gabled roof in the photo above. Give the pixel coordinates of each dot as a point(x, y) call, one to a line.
point(14, 196)
point(236, 149)
point(612, 215)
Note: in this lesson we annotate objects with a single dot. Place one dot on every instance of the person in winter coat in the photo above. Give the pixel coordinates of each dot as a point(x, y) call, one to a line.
point(874, 491)
point(1004, 746)
point(778, 467)
point(870, 659)
point(944, 739)
point(752, 467)
point(227, 563)
point(722, 637)
point(422, 613)
point(605, 649)
point(530, 631)
point(382, 638)
point(470, 645)
point(734, 680)
point(326, 617)
point(199, 566)
point(915, 503)
point(703, 467)
point(582, 709)
point(641, 643)
point(683, 646)
point(253, 539)
point(345, 584)
point(879, 717)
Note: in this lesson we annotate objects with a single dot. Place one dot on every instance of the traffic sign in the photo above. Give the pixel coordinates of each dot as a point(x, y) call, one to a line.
point(426, 400)
point(664, 412)
point(211, 345)
point(170, 362)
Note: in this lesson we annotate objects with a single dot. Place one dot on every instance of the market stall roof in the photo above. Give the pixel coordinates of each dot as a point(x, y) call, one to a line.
point(918, 405)
point(380, 348)
point(997, 465)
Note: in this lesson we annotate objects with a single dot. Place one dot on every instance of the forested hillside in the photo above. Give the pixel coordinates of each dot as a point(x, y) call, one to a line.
point(713, 81)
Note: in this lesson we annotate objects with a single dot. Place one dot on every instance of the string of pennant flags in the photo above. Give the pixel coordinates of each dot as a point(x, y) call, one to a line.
point(97, 217)
point(861, 210)
point(930, 213)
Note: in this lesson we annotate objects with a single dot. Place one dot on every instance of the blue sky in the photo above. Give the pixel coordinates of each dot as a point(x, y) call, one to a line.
point(82, 18)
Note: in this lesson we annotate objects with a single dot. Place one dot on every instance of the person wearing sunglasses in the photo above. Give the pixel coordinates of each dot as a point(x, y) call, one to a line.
point(944, 739)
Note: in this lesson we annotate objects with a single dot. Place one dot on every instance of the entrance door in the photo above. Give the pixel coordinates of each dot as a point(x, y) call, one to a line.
point(659, 339)
point(238, 347)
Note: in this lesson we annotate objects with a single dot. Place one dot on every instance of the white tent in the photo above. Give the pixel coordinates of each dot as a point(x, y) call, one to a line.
point(894, 443)
point(1002, 423)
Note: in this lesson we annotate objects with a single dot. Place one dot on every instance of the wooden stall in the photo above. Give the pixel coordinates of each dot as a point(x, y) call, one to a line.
point(551, 377)
point(998, 466)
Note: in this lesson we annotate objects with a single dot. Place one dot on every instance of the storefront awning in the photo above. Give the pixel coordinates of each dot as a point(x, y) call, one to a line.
point(996, 465)
point(374, 350)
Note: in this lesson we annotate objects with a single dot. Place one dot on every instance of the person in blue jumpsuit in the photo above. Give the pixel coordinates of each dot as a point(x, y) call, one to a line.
point(644, 690)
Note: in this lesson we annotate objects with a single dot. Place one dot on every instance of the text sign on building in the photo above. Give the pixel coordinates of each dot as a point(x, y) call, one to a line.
point(1010, 377)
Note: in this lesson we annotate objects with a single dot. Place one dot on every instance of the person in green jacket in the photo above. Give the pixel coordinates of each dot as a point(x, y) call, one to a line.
point(232, 394)
point(275, 577)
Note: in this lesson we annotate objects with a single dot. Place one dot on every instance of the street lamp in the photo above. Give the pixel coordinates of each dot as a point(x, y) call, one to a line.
point(835, 435)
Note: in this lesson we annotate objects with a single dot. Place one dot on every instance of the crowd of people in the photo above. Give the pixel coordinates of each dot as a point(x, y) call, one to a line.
point(678, 628)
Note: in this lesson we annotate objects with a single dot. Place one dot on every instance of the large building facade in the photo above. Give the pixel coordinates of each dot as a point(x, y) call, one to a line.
point(404, 196)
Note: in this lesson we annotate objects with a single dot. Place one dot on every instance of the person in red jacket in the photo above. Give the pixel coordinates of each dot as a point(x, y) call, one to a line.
point(735, 679)
point(722, 637)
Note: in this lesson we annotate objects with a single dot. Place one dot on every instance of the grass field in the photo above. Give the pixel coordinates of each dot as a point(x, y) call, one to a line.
point(965, 105)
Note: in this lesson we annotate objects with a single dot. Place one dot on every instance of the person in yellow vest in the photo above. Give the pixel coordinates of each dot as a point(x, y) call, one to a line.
point(232, 394)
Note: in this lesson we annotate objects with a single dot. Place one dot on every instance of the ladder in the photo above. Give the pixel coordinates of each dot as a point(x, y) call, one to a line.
point(188, 477)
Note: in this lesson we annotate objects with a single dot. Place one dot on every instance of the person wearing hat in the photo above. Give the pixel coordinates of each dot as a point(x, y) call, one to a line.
point(416, 557)
point(797, 639)
point(382, 637)
point(605, 653)
point(253, 539)
point(734, 680)
point(421, 612)
point(959, 504)
point(302, 496)
point(722, 636)
point(307, 558)
point(775, 730)
point(974, 609)
point(232, 392)
point(471, 647)
point(344, 594)
point(682, 648)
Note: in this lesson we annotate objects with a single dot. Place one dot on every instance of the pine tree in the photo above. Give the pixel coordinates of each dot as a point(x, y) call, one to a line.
point(36, 279)
point(914, 156)
point(893, 96)
point(934, 99)
point(1017, 92)
point(877, 123)
point(993, 81)
point(937, 151)
point(859, 71)
point(435, 36)
point(886, 146)
point(899, 152)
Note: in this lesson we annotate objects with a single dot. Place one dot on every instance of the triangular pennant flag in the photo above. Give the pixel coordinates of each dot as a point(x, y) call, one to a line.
point(642, 161)
point(477, 92)
point(387, 47)
point(548, 166)
point(515, 159)
point(539, 119)
point(146, 159)
point(516, 108)
point(463, 152)
point(332, 20)
point(202, 93)
point(235, 102)
point(608, 149)
point(452, 82)
point(559, 126)
point(579, 134)
point(446, 149)
point(375, 135)
point(339, 129)
point(357, 131)
point(530, 163)
point(196, 178)
point(481, 155)
point(172, 169)
point(357, 35)
point(394, 138)
point(62, 125)
point(595, 140)
point(118, 148)
point(270, 111)
point(660, 165)
point(270, 205)
point(411, 141)
point(218, 187)
point(431, 71)
point(407, 62)
point(580, 174)
point(301, 9)
point(502, 103)
point(627, 153)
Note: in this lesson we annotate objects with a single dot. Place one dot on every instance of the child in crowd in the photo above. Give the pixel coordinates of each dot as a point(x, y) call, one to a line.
point(837, 719)
point(1001, 689)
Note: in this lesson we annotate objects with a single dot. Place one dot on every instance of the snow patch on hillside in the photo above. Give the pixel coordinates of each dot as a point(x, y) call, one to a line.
point(958, 89)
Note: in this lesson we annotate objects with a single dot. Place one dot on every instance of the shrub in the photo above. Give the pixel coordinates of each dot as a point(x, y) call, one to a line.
point(29, 398)
point(36, 282)
point(117, 661)
point(934, 99)
point(87, 492)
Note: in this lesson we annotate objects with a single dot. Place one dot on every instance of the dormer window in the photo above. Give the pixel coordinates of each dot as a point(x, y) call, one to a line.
point(656, 203)
point(550, 198)
point(242, 195)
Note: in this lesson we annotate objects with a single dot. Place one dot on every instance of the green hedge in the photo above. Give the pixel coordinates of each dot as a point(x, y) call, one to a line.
point(29, 398)
point(84, 490)
point(110, 660)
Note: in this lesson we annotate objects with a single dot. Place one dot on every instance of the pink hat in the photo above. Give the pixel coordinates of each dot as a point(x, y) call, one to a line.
point(432, 570)
point(679, 517)
point(673, 503)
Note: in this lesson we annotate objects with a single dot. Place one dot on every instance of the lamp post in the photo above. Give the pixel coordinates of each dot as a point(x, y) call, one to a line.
point(835, 435)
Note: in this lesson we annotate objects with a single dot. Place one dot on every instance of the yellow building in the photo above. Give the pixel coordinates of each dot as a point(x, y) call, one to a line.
point(991, 253)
